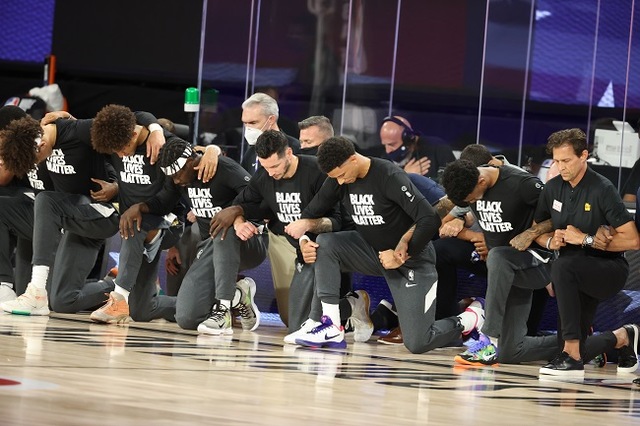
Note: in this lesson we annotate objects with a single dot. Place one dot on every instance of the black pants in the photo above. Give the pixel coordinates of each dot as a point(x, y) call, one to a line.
point(580, 283)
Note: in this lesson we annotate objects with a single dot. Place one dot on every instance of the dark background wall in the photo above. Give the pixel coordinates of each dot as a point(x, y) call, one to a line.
point(141, 53)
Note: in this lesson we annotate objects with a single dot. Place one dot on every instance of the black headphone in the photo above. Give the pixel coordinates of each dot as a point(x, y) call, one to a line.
point(408, 134)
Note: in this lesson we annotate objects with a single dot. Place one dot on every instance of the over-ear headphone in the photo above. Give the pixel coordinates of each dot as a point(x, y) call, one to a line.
point(408, 134)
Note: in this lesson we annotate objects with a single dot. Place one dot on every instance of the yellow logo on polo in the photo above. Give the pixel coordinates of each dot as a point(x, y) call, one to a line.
point(587, 207)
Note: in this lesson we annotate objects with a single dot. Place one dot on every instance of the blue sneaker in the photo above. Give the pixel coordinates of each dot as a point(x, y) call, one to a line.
point(481, 352)
point(326, 335)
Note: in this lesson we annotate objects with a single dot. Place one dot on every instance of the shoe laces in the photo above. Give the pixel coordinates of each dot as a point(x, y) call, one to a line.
point(245, 310)
point(320, 328)
point(218, 312)
point(478, 345)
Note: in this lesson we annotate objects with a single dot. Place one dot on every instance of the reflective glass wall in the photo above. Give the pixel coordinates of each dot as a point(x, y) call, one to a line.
point(502, 73)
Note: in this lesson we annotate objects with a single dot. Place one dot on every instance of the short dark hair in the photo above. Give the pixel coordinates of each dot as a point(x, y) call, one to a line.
point(334, 152)
point(574, 137)
point(477, 153)
point(459, 180)
point(271, 142)
point(19, 146)
point(112, 129)
point(321, 122)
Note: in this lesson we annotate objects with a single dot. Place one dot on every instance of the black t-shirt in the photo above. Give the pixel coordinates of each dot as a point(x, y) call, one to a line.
point(138, 179)
point(73, 161)
point(207, 199)
point(593, 202)
point(507, 208)
point(38, 178)
point(383, 205)
point(283, 200)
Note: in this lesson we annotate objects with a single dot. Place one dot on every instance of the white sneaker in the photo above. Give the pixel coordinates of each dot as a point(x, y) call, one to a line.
point(218, 322)
point(6, 293)
point(360, 321)
point(306, 327)
point(34, 301)
point(326, 335)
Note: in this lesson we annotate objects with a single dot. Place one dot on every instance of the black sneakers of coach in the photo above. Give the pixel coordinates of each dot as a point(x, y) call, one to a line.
point(628, 355)
point(564, 365)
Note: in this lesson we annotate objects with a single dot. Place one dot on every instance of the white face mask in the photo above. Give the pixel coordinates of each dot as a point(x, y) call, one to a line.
point(251, 135)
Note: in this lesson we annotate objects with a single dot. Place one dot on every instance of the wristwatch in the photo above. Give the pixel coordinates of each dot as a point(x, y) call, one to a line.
point(588, 241)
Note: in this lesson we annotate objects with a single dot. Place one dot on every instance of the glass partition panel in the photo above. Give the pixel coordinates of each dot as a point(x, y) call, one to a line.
point(226, 66)
point(578, 77)
point(367, 67)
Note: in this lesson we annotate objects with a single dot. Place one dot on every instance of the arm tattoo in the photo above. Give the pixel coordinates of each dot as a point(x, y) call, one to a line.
point(443, 207)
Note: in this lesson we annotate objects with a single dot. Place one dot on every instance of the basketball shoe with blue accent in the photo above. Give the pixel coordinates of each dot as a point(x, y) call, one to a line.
point(326, 335)
point(480, 352)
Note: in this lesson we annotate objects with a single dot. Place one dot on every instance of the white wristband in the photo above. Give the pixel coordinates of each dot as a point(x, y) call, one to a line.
point(549, 243)
point(303, 238)
point(154, 127)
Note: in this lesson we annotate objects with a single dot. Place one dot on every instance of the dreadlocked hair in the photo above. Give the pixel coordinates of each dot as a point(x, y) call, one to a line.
point(19, 145)
point(112, 129)
point(171, 151)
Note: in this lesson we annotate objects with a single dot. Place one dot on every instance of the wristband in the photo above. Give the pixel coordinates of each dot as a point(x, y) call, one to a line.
point(154, 127)
point(303, 238)
point(549, 243)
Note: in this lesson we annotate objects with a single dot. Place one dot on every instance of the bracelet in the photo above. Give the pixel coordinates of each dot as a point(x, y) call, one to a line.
point(549, 243)
point(154, 127)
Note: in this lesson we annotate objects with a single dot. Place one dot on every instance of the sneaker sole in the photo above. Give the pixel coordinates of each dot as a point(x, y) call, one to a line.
point(214, 331)
point(479, 363)
point(336, 345)
point(252, 294)
point(560, 373)
point(627, 370)
point(116, 320)
point(34, 312)
point(362, 330)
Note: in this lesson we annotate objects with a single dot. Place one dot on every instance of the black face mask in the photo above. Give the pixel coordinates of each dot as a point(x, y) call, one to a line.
point(399, 156)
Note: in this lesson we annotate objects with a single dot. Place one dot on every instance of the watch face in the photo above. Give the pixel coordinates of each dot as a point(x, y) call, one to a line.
point(589, 240)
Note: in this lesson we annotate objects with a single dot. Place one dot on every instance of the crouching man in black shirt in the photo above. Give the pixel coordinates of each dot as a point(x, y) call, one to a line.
point(394, 225)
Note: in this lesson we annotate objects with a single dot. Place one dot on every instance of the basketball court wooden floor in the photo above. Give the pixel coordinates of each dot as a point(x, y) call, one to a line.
point(65, 370)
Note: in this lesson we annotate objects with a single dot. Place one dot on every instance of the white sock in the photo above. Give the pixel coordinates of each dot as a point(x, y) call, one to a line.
point(494, 341)
point(123, 292)
point(10, 285)
point(468, 319)
point(39, 275)
point(236, 298)
point(226, 303)
point(333, 312)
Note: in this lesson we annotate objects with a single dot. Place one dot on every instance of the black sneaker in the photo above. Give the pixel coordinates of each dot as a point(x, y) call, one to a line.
point(628, 355)
point(384, 317)
point(564, 365)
